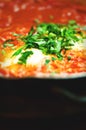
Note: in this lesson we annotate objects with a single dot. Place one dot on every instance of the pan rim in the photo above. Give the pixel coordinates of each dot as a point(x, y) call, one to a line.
point(51, 77)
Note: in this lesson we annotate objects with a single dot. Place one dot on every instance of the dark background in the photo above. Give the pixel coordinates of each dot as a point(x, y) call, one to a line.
point(42, 106)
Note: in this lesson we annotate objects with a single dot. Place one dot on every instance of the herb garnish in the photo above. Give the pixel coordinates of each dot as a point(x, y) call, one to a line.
point(23, 58)
point(50, 38)
point(47, 61)
point(8, 43)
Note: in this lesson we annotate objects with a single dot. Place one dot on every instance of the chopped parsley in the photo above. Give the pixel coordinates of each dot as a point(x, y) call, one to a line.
point(23, 58)
point(47, 61)
point(50, 38)
point(8, 43)
point(69, 58)
point(3, 52)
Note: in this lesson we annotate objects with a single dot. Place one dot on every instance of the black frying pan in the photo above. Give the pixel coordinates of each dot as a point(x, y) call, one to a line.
point(73, 88)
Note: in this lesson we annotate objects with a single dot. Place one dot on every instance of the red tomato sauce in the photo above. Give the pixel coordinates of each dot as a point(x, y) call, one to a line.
point(24, 12)
point(20, 15)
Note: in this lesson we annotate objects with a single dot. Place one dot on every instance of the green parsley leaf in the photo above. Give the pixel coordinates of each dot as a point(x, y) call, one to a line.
point(17, 52)
point(8, 43)
point(47, 61)
point(23, 58)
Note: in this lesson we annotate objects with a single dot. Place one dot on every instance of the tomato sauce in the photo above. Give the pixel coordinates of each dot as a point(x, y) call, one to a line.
point(24, 12)
point(20, 15)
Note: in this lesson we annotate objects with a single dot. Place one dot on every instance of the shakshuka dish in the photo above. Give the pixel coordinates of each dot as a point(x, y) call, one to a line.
point(42, 38)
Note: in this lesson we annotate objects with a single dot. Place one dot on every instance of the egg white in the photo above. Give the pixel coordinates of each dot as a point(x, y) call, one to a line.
point(35, 59)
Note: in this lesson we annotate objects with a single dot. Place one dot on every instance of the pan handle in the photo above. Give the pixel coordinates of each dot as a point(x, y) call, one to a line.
point(70, 94)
